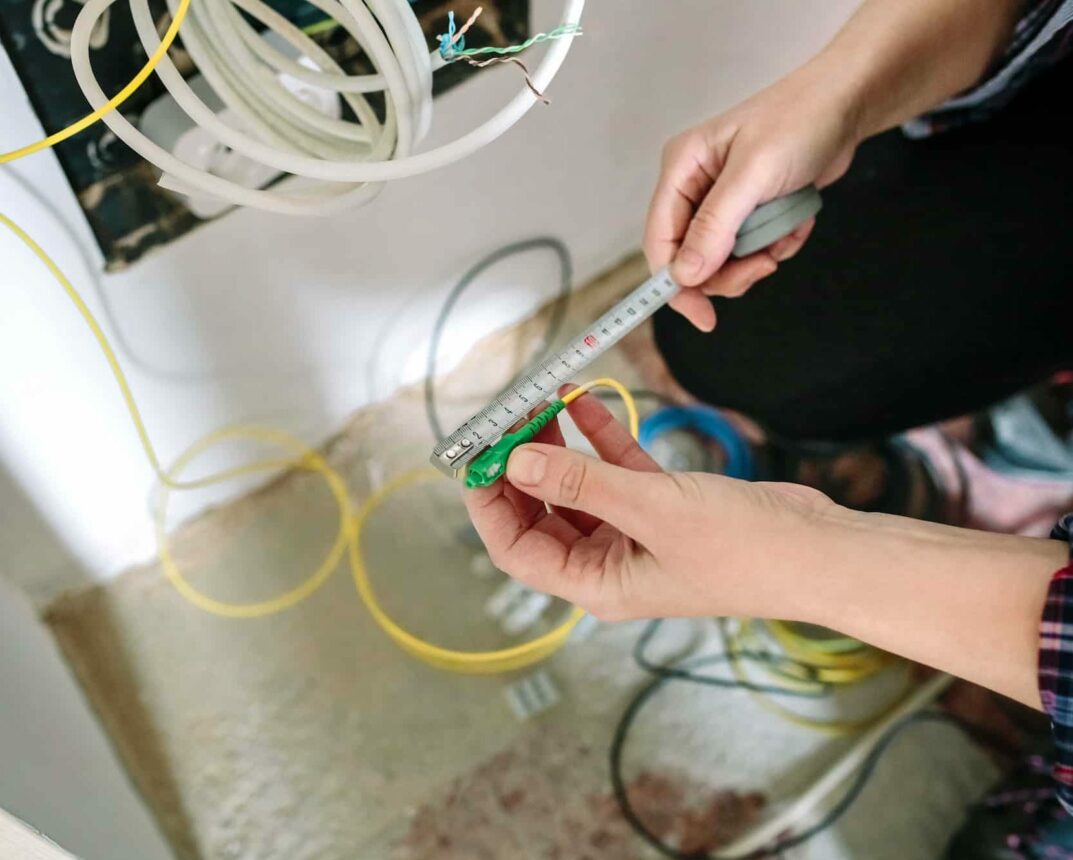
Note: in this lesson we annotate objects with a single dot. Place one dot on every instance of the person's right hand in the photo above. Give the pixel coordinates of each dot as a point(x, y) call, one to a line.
point(622, 539)
point(801, 130)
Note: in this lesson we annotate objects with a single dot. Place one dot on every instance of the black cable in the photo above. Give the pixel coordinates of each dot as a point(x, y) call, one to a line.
point(555, 321)
point(863, 774)
point(682, 671)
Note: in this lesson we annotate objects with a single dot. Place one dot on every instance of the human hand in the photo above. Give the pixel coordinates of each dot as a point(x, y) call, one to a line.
point(624, 539)
point(801, 130)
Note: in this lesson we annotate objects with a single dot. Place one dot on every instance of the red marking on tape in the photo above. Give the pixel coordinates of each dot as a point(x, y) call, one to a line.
point(591, 341)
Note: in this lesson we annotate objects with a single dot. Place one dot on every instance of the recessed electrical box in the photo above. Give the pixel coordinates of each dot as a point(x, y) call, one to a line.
point(126, 209)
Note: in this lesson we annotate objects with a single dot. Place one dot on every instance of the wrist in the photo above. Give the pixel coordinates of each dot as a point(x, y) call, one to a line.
point(867, 555)
point(963, 601)
point(896, 60)
point(843, 80)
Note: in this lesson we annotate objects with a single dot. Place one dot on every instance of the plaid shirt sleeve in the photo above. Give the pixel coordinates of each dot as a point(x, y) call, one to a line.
point(1056, 666)
point(1043, 36)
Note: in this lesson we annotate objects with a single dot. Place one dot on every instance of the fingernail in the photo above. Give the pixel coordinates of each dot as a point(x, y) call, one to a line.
point(688, 263)
point(525, 468)
point(782, 253)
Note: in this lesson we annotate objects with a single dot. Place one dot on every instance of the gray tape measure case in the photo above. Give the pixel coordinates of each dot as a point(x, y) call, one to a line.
point(776, 219)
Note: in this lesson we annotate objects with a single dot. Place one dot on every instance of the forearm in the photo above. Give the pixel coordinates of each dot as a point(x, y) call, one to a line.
point(963, 601)
point(901, 58)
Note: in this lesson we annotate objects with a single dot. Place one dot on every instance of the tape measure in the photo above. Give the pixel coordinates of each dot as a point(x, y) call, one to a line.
point(766, 225)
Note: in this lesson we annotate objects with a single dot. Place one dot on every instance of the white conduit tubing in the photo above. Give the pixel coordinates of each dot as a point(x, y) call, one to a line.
point(343, 162)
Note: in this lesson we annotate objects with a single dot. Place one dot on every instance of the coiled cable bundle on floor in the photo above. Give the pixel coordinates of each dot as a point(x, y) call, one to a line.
point(336, 163)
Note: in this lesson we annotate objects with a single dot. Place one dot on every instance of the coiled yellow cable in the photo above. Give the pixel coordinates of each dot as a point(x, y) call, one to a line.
point(351, 525)
point(115, 101)
point(837, 661)
point(476, 662)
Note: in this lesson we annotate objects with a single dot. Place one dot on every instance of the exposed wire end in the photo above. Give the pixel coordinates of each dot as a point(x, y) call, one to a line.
point(480, 64)
point(491, 465)
point(561, 32)
point(453, 42)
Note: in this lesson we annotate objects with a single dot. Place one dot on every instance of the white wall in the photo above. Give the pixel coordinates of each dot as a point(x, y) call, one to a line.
point(59, 774)
point(298, 322)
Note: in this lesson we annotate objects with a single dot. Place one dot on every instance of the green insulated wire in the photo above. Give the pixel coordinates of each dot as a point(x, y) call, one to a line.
point(491, 465)
point(558, 33)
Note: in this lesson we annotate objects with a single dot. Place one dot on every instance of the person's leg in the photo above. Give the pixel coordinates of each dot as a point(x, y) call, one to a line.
point(938, 281)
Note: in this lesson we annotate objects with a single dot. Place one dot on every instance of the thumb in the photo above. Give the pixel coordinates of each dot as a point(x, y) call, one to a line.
point(713, 230)
point(570, 479)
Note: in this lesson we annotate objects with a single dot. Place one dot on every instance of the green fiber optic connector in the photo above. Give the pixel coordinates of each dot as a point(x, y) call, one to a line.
point(491, 465)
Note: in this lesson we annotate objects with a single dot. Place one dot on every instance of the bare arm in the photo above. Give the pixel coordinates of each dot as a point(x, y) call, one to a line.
point(966, 602)
point(624, 540)
point(908, 56)
point(893, 60)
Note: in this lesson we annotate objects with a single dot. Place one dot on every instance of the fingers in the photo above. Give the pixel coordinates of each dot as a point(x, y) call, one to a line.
point(551, 434)
point(571, 553)
point(569, 479)
point(788, 246)
point(737, 276)
point(696, 211)
point(531, 510)
point(687, 173)
point(696, 308)
point(535, 552)
point(583, 570)
point(713, 229)
point(550, 554)
point(611, 440)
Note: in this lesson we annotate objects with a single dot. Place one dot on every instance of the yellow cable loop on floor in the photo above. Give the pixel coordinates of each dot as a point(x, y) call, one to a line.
point(837, 661)
point(115, 101)
point(351, 525)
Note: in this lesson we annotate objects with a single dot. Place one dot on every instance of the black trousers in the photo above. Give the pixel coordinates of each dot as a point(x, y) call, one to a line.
point(938, 281)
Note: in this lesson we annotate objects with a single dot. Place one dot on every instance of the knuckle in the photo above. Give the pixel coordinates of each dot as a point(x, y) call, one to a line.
point(589, 562)
point(686, 486)
point(696, 184)
point(498, 558)
point(573, 481)
point(755, 144)
point(675, 148)
point(671, 149)
point(706, 222)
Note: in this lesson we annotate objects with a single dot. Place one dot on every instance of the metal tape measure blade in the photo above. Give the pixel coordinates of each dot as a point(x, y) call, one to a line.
point(767, 224)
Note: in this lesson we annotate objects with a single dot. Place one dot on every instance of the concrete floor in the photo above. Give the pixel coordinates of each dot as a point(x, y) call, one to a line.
point(310, 736)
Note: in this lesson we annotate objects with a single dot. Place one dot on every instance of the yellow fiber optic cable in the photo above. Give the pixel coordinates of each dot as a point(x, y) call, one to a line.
point(351, 526)
point(114, 102)
point(471, 662)
point(620, 389)
point(475, 662)
point(820, 665)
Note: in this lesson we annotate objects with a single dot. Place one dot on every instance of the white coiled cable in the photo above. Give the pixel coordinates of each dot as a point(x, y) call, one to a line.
point(336, 164)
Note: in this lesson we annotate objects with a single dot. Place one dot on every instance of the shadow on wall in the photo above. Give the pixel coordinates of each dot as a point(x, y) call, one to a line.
point(59, 773)
point(32, 556)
